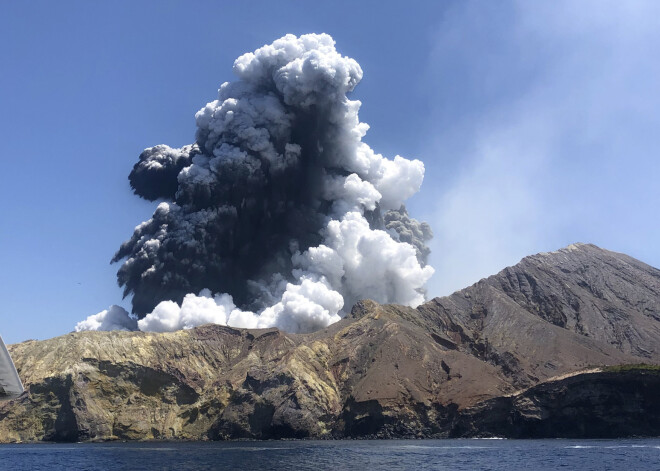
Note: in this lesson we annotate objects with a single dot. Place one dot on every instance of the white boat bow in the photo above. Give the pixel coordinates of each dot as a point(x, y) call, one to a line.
point(10, 383)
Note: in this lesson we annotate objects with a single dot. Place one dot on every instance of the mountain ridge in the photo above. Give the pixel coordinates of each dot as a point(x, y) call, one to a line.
point(383, 371)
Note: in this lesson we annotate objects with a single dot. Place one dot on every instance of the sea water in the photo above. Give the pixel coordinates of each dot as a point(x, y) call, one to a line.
point(365, 455)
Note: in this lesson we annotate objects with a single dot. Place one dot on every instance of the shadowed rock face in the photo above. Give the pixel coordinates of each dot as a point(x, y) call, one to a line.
point(598, 404)
point(443, 369)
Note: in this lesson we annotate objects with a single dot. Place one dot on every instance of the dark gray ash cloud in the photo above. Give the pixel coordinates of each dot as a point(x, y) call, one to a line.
point(278, 207)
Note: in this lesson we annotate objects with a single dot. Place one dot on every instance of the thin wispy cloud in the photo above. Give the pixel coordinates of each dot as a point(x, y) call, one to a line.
point(558, 145)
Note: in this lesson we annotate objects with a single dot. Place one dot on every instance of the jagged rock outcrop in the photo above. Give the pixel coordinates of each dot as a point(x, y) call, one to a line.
point(443, 369)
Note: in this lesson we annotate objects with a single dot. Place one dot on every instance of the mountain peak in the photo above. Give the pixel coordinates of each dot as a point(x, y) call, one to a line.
point(592, 292)
point(577, 248)
point(580, 256)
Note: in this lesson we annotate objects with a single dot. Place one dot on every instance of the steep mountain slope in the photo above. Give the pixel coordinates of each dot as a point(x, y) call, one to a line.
point(599, 294)
point(557, 312)
point(385, 370)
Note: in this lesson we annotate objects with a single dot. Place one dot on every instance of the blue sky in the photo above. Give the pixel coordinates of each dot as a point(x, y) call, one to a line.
point(537, 121)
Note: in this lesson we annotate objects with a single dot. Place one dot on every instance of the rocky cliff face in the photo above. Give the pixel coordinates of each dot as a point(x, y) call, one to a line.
point(439, 370)
point(601, 403)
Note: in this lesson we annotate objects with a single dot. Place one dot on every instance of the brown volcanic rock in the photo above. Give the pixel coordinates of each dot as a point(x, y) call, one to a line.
point(557, 312)
point(385, 370)
point(599, 294)
point(215, 382)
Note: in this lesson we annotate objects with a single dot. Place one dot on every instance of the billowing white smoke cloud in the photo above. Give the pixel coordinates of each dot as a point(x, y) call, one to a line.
point(113, 318)
point(356, 262)
point(283, 143)
point(194, 311)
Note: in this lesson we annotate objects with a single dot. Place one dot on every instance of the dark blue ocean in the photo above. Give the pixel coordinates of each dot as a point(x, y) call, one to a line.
point(508, 455)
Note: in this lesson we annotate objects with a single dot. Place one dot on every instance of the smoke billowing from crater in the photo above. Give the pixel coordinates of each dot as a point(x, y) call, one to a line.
point(278, 214)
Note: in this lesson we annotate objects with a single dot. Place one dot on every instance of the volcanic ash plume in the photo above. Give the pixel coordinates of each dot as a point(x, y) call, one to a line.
point(278, 206)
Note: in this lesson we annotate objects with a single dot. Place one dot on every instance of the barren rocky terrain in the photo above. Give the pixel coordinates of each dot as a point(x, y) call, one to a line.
point(522, 353)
